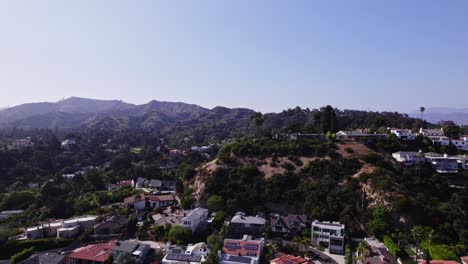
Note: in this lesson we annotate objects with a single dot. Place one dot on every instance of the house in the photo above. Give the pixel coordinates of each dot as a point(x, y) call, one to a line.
point(203, 149)
point(6, 214)
point(442, 163)
point(137, 202)
point(440, 140)
point(164, 219)
point(462, 161)
point(69, 143)
point(153, 184)
point(378, 255)
point(138, 251)
point(92, 254)
point(282, 258)
point(245, 250)
point(359, 136)
point(431, 132)
point(403, 134)
point(409, 158)
point(251, 225)
point(49, 229)
point(45, 258)
point(291, 223)
point(464, 259)
point(462, 143)
point(195, 219)
point(194, 254)
point(21, 144)
point(330, 235)
point(295, 136)
point(162, 201)
point(111, 225)
point(130, 183)
point(73, 226)
point(175, 152)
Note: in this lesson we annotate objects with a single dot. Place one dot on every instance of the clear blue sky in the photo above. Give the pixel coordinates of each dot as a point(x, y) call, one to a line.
point(266, 55)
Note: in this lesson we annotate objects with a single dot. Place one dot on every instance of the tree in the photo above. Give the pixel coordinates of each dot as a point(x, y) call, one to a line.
point(215, 203)
point(452, 131)
point(22, 255)
point(179, 235)
point(422, 109)
point(131, 225)
point(379, 225)
point(158, 232)
point(420, 233)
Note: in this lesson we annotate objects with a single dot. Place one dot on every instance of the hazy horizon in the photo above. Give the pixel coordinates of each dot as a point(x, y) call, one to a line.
point(263, 55)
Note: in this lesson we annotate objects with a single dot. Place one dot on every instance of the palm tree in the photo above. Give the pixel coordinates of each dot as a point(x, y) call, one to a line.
point(422, 109)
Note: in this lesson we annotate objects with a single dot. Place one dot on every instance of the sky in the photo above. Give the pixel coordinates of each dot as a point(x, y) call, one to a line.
point(266, 55)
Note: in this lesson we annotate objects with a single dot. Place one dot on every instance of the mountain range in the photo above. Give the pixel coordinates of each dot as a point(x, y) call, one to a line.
point(78, 112)
point(438, 114)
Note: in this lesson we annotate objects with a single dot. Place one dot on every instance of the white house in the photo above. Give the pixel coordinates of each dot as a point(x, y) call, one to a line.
point(137, 202)
point(440, 140)
point(330, 235)
point(403, 134)
point(431, 132)
point(195, 219)
point(409, 158)
point(442, 163)
point(462, 143)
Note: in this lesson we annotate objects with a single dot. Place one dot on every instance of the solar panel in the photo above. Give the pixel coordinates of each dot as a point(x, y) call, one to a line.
point(231, 246)
point(253, 247)
point(183, 257)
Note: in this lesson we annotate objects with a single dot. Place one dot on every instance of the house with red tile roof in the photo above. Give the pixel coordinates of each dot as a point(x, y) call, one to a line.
point(160, 201)
point(91, 254)
point(423, 261)
point(130, 183)
point(464, 259)
point(243, 250)
point(290, 259)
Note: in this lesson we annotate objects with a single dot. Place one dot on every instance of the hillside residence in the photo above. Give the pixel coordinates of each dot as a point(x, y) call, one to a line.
point(111, 225)
point(92, 254)
point(62, 228)
point(162, 201)
point(45, 258)
point(409, 158)
point(462, 161)
point(194, 254)
point(144, 201)
point(440, 140)
point(359, 136)
point(245, 251)
point(138, 251)
point(291, 223)
point(462, 143)
point(403, 134)
point(6, 214)
point(163, 219)
point(201, 149)
point(431, 132)
point(251, 225)
point(130, 183)
point(153, 184)
point(442, 163)
point(378, 255)
point(281, 258)
point(195, 219)
point(330, 235)
point(137, 202)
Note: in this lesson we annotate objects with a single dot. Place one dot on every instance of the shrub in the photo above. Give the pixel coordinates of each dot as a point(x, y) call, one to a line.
point(20, 256)
point(392, 246)
point(349, 150)
point(442, 252)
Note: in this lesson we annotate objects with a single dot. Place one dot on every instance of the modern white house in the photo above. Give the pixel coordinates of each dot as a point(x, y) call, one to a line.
point(62, 228)
point(409, 158)
point(195, 219)
point(440, 140)
point(442, 163)
point(462, 143)
point(330, 235)
point(403, 134)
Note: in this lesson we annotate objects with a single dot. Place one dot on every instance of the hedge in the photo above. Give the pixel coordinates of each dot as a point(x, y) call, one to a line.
point(442, 252)
point(23, 255)
point(392, 246)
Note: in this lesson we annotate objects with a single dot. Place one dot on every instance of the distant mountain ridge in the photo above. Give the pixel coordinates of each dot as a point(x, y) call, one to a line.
point(438, 114)
point(78, 112)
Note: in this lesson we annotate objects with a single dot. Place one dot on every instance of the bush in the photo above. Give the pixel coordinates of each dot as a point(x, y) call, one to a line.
point(349, 150)
point(392, 246)
point(20, 256)
point(13, 246)
point(442, 252)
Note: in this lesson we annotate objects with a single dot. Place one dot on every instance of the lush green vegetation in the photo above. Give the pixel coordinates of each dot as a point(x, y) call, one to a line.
point(22, 255)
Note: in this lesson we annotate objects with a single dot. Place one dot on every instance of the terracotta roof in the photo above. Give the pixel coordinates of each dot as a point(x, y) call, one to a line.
point(464, 259)
point(251, 248)
point(96, 253)
point(289, 259)
point(162, 198)
point(422, 261)
point(126, 182)
point(134, 199)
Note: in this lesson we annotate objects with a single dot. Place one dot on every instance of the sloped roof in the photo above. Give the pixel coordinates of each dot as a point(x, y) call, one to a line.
point(290, 259)
point(97, 252)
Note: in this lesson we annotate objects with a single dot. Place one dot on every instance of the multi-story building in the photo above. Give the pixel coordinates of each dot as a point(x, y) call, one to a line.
point(330, 235)
point(194, 254)
point(409, 158)
point(442, 163)
point(462, 143)
point(250, 225)
point(403, 134)
point(195, 219)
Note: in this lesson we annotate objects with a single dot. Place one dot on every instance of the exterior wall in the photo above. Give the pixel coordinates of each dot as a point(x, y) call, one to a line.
point(246, 229)
point(332, 235)
point(140, 205)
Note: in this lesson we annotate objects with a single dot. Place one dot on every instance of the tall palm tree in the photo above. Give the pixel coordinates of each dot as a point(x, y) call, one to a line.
point(422, 109)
